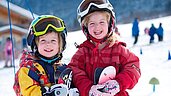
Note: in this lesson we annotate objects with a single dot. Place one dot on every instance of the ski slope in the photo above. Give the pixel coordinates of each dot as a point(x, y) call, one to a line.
point(153, 60)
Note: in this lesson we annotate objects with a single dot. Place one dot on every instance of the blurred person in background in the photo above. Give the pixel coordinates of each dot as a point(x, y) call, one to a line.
point(135, 30)
point(8, 52)
point(152, 32)
point(159, 32)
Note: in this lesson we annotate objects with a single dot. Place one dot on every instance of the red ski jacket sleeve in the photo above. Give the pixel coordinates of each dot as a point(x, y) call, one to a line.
point(80, 77)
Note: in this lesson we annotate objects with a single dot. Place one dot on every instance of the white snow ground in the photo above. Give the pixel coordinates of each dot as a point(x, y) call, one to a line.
point(153, 60)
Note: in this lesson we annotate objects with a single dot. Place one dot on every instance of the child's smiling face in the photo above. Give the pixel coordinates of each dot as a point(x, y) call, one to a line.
point(98, 25)
point(48, 44)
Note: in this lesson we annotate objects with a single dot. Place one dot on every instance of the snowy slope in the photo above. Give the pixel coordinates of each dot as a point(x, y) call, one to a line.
point(153, 59)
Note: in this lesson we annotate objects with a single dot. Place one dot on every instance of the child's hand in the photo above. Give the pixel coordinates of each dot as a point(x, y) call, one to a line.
point(111, 86)
point(73, 92)
point(94, 90)
point(55, 90)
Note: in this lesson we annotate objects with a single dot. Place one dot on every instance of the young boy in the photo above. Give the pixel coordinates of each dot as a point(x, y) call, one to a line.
point(100, 50)
point(41, 73)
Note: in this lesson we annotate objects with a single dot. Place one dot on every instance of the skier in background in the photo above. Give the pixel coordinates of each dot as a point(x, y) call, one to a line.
point(100, 50)
point(135, 30)
point(8, 52)
point(160, 32)
point(152, 32)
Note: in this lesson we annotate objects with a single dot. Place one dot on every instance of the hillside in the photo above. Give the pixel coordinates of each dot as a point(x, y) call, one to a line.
point(125, 10)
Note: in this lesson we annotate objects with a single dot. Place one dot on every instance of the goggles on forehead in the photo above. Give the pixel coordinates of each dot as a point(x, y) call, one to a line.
point(41, 25)
point(86, 5)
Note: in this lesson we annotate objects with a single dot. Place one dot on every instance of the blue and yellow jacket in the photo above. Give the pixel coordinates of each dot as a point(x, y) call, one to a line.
point(35, 74)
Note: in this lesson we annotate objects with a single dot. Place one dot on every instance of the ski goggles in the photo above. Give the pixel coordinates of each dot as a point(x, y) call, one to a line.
point(86, 5)
point(42, 24)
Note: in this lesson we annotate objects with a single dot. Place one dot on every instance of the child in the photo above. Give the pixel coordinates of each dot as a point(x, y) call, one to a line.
point(41, 73)
point(8, 52)
point(159, 32)
point(135, 30)
point(152, 32)
point(100, 50)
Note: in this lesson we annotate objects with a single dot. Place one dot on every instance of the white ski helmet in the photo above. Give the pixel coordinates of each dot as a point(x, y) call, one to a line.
point(88, 6)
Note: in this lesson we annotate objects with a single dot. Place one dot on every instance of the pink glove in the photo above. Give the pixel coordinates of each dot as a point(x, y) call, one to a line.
point(111, 87)
point(94, 91)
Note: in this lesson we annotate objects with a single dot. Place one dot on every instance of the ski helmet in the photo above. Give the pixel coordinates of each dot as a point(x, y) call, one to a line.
point(40, 25)
point(88, 6)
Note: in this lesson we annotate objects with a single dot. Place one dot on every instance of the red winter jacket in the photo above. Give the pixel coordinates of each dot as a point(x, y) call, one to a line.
point(84, 63)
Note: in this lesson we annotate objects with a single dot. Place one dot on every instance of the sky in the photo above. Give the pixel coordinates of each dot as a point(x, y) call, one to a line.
point(153, 60)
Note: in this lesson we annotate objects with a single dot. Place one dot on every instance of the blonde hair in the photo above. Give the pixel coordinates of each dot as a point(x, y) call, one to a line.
point(114, 38)
point(60, 42)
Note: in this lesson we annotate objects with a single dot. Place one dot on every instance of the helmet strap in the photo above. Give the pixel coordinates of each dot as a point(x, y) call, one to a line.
point(111, 24)
point(85, 31)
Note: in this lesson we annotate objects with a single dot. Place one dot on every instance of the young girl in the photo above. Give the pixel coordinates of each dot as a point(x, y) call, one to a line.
point(41, 73)
point(8, 52)
point(100, 50)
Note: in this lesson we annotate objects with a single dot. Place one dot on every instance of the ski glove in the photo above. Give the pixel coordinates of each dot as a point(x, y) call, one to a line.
point(73, 92)
point(55, 90)
point(95, 91)
point(111, 87)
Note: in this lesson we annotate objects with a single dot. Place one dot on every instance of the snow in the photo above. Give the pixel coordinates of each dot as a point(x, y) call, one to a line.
point(153, 60)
